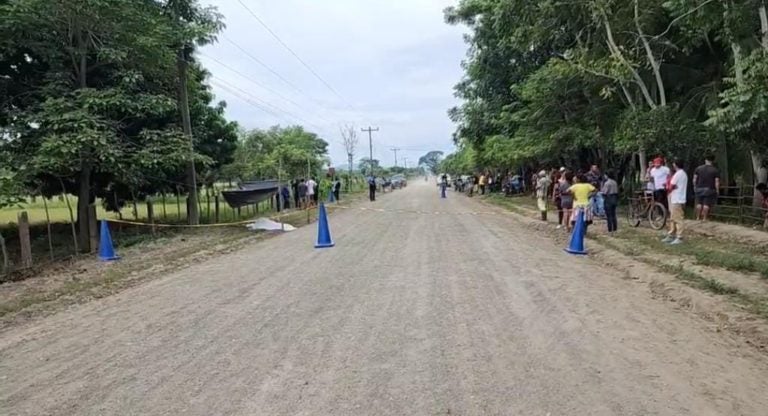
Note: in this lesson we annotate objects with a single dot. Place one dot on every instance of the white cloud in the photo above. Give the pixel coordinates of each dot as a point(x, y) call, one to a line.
point(394, 61)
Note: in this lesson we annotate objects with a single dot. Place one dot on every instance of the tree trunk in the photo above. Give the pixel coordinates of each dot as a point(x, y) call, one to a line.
point(5, 253)
point(84, 191)
point(83, 199)
point(193, 214)
point(643, 160)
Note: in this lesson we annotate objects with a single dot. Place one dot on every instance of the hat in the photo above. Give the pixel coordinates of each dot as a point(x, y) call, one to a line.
point(658, 161)
point(562, 169)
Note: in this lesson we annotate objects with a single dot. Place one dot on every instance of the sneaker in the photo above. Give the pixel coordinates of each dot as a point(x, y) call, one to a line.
point(668, 239)
point(559, 226)
point(675, 242)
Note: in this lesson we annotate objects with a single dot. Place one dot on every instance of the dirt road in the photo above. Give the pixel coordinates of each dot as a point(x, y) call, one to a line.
point(410, 314)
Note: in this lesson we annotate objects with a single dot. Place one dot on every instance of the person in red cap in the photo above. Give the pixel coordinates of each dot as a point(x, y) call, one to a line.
point(659, 175)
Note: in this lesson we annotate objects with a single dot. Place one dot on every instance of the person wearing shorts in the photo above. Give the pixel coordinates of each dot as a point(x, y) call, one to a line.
point(566, 198)
point(582, 192)
point(706, 185)
point(678, 195)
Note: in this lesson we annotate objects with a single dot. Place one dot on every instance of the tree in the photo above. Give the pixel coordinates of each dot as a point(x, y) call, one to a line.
point(261, 152)
point(91, 103)
point(431, 160)
point(368, 165)
point(350, 141)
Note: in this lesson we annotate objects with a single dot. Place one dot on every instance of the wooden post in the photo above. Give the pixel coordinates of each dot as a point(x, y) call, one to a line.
point(151, 216)
point(93, 227)
point(165, 214)
point(24, 241)
point(71, 216)
point(238, 212)
point(48, 227)
point(216, 217)
point(257, 208)
point(178, 204)
point(208, 202)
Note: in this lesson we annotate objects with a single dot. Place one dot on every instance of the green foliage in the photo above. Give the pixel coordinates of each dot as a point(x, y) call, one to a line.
point(612, 79)
point(260, 154)
point(431, 160)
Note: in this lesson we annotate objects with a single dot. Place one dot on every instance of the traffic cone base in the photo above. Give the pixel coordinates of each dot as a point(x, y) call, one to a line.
point(576, 246)
point(106, 249)
point(323, 231)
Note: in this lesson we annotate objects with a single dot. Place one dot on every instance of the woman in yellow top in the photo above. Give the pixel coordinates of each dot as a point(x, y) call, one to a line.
point(581, 191)
point(483, 182)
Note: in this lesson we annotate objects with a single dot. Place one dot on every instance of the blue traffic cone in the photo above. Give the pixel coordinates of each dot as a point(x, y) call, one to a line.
point(323, 232)
point(576, 246)
point(106, 250)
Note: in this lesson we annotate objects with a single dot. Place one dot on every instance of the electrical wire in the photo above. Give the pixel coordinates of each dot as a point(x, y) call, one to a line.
point(295, 55)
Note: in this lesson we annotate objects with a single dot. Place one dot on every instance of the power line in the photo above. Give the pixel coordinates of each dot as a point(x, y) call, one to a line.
point(257, 83)
point(267, 67)
point(253, 104)
point(295, 55)
point(395, 149)
point(274, 107)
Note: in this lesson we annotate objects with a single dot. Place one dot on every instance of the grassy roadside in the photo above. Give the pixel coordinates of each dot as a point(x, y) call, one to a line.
point(144, 258)
point(644, 245)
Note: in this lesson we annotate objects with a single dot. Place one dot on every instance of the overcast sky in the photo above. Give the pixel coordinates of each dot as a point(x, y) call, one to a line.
point(393, 64)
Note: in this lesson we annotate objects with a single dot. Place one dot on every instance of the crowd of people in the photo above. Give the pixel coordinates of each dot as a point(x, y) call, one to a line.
point(305, 193)
point(592, 193)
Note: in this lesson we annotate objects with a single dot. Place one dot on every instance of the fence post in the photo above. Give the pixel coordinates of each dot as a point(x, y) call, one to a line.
point(151, 216)
point(24, 241)
point(216, 209)
point(93, 228)
point(178, 205)
point(165, 214)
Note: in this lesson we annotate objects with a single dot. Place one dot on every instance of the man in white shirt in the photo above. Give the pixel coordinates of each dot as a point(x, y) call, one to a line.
point(678, 196)
point(659, 175)
point(311, 189)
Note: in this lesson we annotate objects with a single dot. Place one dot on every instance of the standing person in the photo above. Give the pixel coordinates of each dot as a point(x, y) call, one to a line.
point(582, 192)
point(542, 192)
point(610, 193)
point(443, 186)
point(660, 174)
point(482, 183)
point(286, 197)
point(337, 189)
point(595, 178)
point(311, 192)
point(678, 196)
point(302, 192)
point(706, 187)
point(566, 198)
point(295, 188)
point(557, 196)
point(763, 189)
point(372, 188)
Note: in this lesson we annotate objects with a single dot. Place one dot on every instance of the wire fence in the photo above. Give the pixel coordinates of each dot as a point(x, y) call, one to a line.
point(41, 233)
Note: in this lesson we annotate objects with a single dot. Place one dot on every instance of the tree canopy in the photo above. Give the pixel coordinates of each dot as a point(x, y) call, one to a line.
point(598, 81)
point(89, 98)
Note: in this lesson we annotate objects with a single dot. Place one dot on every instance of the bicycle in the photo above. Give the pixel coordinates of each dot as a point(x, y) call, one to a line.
point(643, 206)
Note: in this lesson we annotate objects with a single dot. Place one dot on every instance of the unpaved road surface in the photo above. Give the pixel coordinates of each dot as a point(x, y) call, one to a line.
point(410, 314)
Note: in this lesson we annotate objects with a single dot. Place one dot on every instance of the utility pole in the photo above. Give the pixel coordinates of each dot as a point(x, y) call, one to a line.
point(370, 131)
point(395, 149)
point(405, 162)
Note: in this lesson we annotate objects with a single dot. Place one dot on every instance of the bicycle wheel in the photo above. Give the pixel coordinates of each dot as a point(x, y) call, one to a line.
point(657, 216)
point(633, 215)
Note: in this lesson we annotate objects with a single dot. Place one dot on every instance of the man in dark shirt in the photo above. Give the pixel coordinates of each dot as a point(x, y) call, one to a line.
point(706, 186)
point(302, 191)
point(296, 200)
